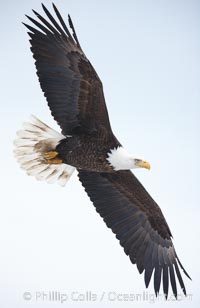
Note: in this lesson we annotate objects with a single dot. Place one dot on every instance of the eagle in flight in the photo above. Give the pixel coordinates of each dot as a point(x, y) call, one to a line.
point(74, 93)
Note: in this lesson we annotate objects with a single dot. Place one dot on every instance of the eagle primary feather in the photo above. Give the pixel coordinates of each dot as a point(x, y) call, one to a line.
point(75, 97)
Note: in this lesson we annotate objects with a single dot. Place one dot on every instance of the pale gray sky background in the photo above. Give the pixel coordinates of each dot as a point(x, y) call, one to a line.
point(147, 55)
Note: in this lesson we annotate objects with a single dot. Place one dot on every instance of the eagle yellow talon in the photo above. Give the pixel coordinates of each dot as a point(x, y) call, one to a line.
point(54, 161)
point(52, 158)
point(50, 155)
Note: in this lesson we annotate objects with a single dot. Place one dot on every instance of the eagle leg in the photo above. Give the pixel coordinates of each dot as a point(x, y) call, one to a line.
point(52, 157)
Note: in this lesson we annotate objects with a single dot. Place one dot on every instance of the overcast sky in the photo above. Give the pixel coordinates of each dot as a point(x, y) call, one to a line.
point(147, 55)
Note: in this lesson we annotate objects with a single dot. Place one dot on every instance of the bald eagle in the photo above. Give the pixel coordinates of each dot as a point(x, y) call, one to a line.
point(74, 93)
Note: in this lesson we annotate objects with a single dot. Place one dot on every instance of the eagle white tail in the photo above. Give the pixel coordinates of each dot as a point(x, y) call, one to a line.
point(32, 143)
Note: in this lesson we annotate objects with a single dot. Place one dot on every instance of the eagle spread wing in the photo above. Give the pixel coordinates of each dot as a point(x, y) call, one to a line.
point(72, 87)
point(138, 223)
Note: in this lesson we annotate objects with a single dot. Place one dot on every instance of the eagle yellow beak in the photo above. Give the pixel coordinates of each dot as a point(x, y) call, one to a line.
point(143, 164)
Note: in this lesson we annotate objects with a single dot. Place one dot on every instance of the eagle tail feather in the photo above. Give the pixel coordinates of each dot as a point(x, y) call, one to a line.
point(33, 142)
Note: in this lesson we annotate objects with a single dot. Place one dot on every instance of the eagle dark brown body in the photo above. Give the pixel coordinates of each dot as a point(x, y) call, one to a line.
point(87, 152)
point(75, 97)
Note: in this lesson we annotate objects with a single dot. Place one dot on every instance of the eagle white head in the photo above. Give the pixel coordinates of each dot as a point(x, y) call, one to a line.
point(120, 159)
